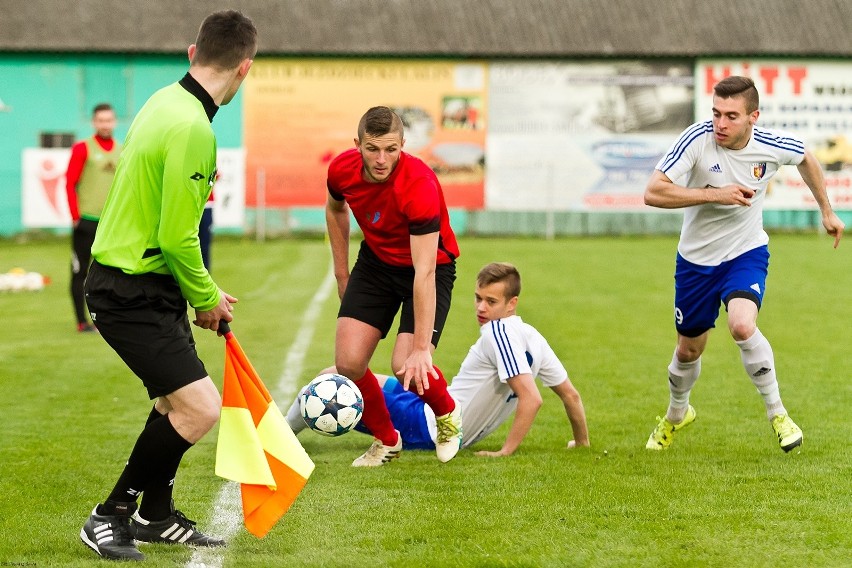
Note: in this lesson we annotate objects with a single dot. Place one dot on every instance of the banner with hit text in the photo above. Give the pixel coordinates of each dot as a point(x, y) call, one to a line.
point(809, 99)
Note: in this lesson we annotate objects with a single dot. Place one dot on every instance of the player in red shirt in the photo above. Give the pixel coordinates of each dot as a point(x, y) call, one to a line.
point(87, 182)
point(407, 260)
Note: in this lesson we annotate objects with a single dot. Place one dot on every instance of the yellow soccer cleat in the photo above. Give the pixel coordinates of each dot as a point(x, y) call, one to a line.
point(663, 435)
point(789, 435)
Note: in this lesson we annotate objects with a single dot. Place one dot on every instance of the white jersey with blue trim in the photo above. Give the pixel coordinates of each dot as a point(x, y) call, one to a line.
point(506, 348)
point(714, 233)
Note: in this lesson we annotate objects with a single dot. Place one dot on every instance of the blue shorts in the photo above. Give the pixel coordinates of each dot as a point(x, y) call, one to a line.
point(699, 290)
point(406, 412)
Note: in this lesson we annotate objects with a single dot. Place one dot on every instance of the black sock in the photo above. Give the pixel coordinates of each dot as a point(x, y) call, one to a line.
point(124, 509)
point(154, 415)
point(156, 502)
point(157, 449)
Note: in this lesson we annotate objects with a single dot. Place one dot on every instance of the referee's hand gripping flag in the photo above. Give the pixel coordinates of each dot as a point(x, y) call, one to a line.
point(256, 446)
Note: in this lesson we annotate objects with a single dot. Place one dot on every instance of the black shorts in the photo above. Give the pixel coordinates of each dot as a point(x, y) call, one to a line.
point(376, 290)
point(143, 318)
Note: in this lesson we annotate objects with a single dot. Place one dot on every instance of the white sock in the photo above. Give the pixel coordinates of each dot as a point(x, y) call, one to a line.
point(294, 417)
point(759, 363)
point(682, 377)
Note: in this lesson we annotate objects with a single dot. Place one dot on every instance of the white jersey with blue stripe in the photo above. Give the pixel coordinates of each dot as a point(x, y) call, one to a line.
point(506, 348)
point(714, 233)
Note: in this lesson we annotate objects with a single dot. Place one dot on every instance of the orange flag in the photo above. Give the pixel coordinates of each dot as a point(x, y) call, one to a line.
point(256, 446)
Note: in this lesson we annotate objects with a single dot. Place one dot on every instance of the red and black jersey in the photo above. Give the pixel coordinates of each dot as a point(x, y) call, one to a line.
point(409, 202)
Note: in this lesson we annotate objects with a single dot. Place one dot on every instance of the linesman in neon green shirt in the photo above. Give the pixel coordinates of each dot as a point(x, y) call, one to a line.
point(147, 266)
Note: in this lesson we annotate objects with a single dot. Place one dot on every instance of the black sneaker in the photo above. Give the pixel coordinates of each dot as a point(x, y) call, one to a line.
point(110, 536)
point(175, 529)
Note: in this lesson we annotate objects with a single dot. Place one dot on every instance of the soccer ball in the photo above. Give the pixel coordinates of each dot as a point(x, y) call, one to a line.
point(331, 404)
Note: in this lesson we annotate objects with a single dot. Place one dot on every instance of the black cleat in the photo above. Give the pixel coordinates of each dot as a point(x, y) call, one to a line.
point(174, 529)
point(110, 535)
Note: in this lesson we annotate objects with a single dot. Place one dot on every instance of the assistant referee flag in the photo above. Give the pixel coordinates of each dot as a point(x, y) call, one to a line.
point(256, 446)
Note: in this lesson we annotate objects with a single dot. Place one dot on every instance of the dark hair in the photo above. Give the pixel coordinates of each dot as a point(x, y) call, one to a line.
point(736, 86)
point(379, 121)
point(224, 40)
point(501, 272)
point(101, 106)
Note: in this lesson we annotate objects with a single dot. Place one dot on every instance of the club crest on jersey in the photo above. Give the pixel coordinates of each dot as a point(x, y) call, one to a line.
point(758, 170)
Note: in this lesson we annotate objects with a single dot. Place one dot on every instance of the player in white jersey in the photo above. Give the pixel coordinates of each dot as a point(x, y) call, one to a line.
point(723, 255)
point(495, 379)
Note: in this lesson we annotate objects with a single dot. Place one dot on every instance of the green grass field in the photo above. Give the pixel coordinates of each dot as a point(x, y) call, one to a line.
point(724, 495)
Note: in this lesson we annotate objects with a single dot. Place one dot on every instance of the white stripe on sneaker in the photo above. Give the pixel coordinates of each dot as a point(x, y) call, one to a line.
point(103, 533)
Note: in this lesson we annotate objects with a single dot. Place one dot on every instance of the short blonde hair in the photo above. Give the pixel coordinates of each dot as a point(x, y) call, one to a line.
point(501, 272)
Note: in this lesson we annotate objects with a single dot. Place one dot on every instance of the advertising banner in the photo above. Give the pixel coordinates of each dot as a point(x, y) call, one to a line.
point(229, 192)
point(809, 99)
point(300, 113)
point(44, 201)
point(566, 136)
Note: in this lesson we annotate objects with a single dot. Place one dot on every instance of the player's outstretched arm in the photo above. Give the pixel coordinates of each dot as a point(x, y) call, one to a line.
point(576, 413)
point(529, 401)
point(812, 175)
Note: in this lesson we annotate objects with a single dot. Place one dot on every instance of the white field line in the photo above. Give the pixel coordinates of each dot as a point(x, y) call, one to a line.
point(227, 511)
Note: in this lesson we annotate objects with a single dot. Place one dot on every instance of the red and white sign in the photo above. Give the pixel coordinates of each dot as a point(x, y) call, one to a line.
point(45, 202)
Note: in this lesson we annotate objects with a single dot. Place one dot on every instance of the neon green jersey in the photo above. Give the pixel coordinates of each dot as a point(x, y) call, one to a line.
point(164, 177)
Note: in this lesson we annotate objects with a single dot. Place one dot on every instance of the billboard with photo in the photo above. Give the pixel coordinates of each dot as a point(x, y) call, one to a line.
point(300, 113)
point(568, 136)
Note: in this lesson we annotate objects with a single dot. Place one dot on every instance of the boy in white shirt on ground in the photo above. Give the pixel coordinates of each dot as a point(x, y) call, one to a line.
point(496, 378)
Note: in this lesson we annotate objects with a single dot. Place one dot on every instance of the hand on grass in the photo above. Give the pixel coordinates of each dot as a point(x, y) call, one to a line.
point(487, 454)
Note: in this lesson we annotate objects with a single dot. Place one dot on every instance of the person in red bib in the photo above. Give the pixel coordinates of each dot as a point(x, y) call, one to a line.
point(87, 182)
point(406, 261)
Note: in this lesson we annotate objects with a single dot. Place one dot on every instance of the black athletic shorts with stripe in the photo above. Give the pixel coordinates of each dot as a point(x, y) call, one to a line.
point(143, 318)
point(376, 290)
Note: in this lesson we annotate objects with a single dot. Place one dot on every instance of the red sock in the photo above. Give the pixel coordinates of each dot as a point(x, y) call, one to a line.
point(436, 396)
point(376, 416)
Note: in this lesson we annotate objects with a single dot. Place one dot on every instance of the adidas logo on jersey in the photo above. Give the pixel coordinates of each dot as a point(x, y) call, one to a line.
point(716, 169)
point(755, 287)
